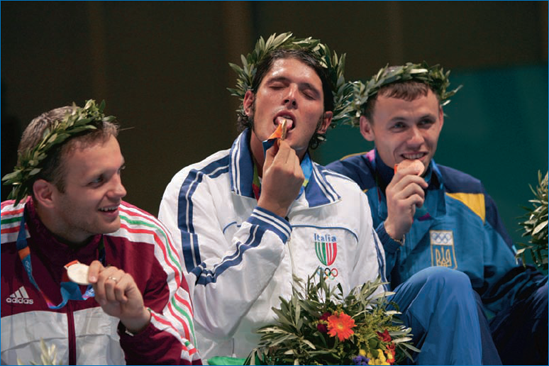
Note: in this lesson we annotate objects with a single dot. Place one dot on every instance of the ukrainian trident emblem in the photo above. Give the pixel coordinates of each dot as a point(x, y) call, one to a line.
point(442, 249)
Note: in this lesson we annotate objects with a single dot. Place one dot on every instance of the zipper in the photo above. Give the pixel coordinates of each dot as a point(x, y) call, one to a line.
point(72, 334)
point(292, 261)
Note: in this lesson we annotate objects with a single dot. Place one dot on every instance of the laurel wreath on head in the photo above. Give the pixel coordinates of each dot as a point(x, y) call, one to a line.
point(335, 65)
point(30, 161)
point(433, 76)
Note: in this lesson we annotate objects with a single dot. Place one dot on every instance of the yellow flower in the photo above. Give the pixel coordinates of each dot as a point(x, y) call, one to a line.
point(378, 361)
point(362, 353)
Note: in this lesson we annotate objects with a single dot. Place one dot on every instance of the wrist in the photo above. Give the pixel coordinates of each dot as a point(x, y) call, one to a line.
point(393, 234)
point(273, 207)
point(400, 241)
point(137, 324)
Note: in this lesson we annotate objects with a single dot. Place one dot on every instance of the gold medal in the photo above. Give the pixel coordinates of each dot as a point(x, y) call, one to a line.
point(283, 137)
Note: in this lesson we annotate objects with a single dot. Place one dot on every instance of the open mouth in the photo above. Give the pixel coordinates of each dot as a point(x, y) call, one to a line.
point(413, 156)
point(285, 117)
point(111, 209)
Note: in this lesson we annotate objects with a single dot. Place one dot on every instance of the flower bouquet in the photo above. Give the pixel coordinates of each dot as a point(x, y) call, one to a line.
point(535, 226)
point(318, 326)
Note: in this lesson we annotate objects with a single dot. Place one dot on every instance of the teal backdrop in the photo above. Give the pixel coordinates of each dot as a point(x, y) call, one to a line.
point(495, 129)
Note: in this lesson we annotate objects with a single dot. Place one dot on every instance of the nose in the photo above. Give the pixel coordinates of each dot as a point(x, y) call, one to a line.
point(415, 138)
point(290, 99)
point(118, 191)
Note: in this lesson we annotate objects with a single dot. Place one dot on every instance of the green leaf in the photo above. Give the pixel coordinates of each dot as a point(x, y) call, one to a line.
point(11, 175)
point(540, 227)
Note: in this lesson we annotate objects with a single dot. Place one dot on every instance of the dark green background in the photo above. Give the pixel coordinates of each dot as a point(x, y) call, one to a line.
point(162, 68)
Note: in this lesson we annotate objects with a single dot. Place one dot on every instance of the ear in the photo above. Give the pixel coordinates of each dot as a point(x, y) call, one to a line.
point(326, 120)
point(44, 193)
point(249, 98)
point(366, 129)
point(441, 117)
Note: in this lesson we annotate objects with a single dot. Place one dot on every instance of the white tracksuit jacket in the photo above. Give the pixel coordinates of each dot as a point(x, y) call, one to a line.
point(243, 257)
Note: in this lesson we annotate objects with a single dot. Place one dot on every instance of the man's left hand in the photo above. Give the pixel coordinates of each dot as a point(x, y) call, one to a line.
point(119, 296)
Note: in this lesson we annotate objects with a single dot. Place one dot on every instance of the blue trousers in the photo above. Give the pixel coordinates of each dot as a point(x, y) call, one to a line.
point(439, 305)
point(520, 332)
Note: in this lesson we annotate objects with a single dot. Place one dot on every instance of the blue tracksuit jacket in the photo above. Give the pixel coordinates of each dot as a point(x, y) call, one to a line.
point(460, 228)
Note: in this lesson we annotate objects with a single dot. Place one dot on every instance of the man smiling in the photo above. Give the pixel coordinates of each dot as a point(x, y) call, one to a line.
point(70, 165)
point(443, 218)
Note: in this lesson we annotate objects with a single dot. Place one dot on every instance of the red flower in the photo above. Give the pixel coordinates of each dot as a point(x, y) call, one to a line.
point(385, 337)
point(340, 325)
point(391, 353)
point(321, 326)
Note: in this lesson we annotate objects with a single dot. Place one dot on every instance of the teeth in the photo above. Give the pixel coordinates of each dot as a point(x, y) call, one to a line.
point(414, 156)
point(108, 209)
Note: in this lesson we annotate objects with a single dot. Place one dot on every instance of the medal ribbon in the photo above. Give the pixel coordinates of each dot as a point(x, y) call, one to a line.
point(69, 290)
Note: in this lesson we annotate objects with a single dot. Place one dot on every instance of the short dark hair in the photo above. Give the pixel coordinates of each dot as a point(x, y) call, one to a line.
point(407, 90)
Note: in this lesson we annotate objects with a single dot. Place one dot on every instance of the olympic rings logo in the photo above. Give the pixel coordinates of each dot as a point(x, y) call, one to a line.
point(329, 273)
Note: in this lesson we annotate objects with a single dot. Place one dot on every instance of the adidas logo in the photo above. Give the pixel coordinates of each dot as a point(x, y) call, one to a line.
point(20, 297)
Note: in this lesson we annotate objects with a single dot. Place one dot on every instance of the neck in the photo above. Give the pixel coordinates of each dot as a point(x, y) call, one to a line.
point(256, 146)
point(63, 235)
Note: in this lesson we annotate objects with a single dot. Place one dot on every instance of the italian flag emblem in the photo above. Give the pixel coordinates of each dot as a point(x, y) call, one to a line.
point(326, 248)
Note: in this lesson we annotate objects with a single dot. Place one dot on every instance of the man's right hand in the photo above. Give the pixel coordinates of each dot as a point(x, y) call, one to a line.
point(404, 194)
point(282, 179)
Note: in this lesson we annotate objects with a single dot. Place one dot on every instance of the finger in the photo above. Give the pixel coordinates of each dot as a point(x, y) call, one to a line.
point(270, 155)
point(411, 189)
point(401, 183)
point(100, 286)
point(122, 286)
point(283, 154)
point(93, 273)
point(400, 198)
point(410, 170)
point(415, 200)
point(111, 284)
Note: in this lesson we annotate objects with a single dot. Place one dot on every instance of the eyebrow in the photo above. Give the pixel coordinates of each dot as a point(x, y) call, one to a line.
point(425, 116)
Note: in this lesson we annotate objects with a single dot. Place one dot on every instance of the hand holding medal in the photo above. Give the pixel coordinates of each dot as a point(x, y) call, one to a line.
point(405, 197)
point(282, 174)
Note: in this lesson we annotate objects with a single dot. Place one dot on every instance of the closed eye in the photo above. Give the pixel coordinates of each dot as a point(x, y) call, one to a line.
point(278, 84)
point(309, 94)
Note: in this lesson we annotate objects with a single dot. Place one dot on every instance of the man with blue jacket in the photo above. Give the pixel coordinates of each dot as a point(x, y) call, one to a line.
point(438, 216)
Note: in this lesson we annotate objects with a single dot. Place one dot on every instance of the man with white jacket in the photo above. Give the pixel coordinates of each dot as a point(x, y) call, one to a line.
point(249, 218)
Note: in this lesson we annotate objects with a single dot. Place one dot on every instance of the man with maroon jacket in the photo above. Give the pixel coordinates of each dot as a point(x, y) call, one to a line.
point(82, 270)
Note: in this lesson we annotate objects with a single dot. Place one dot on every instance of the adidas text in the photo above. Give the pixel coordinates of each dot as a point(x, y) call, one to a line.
point(19, 301)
